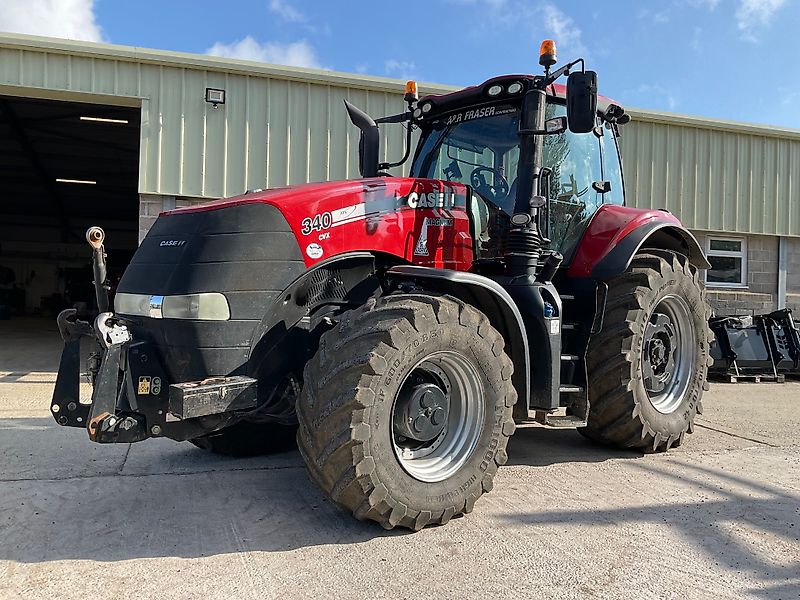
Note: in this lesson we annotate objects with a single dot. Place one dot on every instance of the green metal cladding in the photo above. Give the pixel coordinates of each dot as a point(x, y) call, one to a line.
point(282, 125)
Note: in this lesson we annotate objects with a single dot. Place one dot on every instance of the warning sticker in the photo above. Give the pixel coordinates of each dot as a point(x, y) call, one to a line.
point(144, 385)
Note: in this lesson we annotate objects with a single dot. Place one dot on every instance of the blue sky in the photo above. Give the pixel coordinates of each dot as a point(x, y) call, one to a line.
point(728, 59)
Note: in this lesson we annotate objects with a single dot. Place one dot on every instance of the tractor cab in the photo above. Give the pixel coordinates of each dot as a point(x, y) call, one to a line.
point(473, 137)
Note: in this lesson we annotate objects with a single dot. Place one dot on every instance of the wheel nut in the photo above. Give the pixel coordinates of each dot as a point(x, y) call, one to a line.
point(419, 423)
point(155, 430)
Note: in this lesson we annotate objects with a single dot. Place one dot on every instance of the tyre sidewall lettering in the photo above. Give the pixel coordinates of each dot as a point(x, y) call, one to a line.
point(399, 364)
point(673, 284)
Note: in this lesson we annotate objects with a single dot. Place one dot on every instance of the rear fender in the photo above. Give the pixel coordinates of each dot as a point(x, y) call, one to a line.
point(487, 296)
point(617, 233)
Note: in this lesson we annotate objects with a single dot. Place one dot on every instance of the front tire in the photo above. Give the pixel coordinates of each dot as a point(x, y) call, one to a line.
point(648, 366)
point(406, 410)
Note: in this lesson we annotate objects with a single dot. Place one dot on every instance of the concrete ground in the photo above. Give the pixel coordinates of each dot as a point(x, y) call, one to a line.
point(717, 518)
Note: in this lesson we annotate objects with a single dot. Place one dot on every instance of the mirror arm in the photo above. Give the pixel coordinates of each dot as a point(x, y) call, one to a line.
point(401, 118)
point(551, 78)
point(538, 132)
point(406, 154)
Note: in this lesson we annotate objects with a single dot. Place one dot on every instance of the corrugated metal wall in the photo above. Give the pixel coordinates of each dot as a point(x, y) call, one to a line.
point(269, 132)
point(281, 126)
point(715, 176)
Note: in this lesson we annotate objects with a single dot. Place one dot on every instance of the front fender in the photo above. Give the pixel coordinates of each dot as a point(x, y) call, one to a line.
point(617, 233)
point(489, 297)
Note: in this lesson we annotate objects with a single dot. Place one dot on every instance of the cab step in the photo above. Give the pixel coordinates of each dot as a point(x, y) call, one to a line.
point(570, 358)
point(570, 389)
point(564, 421)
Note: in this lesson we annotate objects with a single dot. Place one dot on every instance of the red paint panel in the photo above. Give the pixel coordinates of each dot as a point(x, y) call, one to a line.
point(610, 224)
point(423, 221)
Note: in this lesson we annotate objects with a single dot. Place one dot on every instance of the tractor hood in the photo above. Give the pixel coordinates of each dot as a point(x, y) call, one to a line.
point(383, 214)
point(290, 197)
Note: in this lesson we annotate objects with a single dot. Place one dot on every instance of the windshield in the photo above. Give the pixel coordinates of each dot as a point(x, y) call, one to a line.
point(480, 147)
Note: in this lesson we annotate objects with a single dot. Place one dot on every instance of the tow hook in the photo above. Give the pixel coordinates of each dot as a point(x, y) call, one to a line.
point(106, 427)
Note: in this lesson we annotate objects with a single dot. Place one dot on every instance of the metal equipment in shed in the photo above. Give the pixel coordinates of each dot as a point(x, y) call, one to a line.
point(756, 348)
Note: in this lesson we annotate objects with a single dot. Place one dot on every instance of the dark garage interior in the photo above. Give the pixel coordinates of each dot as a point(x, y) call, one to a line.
point(64, 166)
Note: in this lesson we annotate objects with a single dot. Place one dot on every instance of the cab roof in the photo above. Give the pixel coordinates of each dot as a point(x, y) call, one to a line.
point(478, 94)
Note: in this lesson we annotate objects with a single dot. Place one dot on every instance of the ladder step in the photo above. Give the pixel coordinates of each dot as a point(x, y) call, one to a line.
point(564, 421)
point(567, 296)
point(569, 326)
point(570, 389)
point(570, 357)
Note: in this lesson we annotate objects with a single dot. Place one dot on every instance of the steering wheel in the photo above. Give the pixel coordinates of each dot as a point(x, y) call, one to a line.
point(496, 192)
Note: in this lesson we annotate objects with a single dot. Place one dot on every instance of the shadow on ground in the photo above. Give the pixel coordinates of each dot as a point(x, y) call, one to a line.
point(63, 498)
point(745, 525)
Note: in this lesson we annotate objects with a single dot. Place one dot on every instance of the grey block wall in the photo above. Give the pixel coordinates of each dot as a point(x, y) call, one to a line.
point(761, 293)
point(793, 275)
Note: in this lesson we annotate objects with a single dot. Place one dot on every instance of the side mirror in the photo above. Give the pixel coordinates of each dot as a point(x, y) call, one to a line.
point(369, 141)
point(581, 101)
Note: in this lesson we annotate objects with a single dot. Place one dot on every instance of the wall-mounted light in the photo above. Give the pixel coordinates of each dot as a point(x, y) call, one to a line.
point(105, 120)
point(215, 96)
point(80, 181)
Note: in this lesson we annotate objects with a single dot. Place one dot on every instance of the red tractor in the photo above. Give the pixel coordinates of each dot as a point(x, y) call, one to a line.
point(398, 326)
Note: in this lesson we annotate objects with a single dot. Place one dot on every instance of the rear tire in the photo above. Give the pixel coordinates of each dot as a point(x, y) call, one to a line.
point(648, 366)
point(368, 370)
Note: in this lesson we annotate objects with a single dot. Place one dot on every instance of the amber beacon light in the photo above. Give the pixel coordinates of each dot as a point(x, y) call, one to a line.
point(547, 54)
point(411, 91)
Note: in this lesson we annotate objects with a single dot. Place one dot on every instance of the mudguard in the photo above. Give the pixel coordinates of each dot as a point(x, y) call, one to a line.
point(494, 301)
point(616, 233)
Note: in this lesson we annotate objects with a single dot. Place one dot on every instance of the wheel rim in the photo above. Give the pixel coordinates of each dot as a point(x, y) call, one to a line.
point(669, 354)
point(437, 417)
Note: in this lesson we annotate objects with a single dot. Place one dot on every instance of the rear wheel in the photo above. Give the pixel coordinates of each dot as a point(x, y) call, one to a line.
point(406, 410)
point(648, 366)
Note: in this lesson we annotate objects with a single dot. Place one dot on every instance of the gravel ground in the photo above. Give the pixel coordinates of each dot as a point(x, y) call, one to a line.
point(717, 518)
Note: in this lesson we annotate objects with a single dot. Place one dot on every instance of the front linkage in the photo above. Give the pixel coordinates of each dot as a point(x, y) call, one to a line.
point(132, 398)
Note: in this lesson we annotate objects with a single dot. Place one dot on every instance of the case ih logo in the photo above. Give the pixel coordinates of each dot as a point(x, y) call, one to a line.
point(432, 200)
point(172, 243)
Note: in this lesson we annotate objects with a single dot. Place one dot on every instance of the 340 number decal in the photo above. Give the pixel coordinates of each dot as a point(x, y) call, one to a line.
point(318, 223)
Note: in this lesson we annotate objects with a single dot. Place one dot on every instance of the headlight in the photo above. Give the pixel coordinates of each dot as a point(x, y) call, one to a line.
point(426, 107)
point(515, 88)
point(208, 306)
point(495, 90)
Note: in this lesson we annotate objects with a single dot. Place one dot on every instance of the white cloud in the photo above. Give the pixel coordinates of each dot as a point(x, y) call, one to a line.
point(752, 15)
point(287, 12)
point(71, 19)
point(293, 54)
point(563, 29)
point(402, 69)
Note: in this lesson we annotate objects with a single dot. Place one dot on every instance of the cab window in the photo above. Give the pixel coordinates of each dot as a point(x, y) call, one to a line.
point(575, 161)
point(612, 171)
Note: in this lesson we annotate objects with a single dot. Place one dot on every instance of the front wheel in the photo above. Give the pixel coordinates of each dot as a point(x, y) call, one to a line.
point(648, 366)
point(406, 410)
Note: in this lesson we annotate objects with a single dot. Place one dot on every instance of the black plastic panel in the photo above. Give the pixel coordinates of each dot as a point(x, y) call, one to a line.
point(247, 252)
